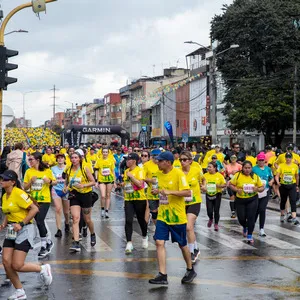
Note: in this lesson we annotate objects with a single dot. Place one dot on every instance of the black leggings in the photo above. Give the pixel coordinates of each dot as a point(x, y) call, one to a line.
point(246, 209)
point(285, 192)
point(261, 210)
point(213, 207)
point(139, 207)
point(81, 222)
point(40, 218)
point(232, 206)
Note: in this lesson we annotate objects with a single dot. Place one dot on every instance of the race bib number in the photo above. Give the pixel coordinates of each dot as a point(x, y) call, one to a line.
point(163, 200)
point(37, 185)
point(248, 188)
point(211, 188)
point(189, 199)
point(264, 182)
point(10, 233)
point(105, 172)
point(128, 188)
point(287, 178)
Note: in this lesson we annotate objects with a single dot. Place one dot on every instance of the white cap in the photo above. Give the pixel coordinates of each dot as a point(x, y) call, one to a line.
point(161, 148)
point(80, 152)
point(213, 146)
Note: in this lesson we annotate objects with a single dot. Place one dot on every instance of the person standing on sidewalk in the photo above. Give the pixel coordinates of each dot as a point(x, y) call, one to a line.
point(247, 185)
point(172, 188)
point(266, 176)
point(287, 178)
point(19, 211)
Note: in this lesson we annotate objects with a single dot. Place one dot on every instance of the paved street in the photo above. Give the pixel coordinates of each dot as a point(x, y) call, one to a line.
point(228, 267)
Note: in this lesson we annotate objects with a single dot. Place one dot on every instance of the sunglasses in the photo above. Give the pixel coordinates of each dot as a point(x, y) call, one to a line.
point(30, 159)
point(261, 160)
point(183, 159)
point(144, 155)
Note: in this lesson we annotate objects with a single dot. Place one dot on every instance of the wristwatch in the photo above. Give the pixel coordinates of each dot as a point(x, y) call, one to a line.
point(22, 224)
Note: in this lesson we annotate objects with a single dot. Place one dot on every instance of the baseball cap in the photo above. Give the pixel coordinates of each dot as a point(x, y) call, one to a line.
point(133, 156)
point(60, 155)
point(9, 175)
point(261, 156)
point(125, 149)
point(213, 146)
point(290, 146)
point(167, 155)
point(80, 152)
point(214, 156)
point(288, 155)
point(155, 152)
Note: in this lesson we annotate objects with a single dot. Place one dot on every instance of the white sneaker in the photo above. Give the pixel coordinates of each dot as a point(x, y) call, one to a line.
point(18, 294)
point(46, 274)
point(102, 213)
point(262, 232)
point(145, 242)
point(129, 248)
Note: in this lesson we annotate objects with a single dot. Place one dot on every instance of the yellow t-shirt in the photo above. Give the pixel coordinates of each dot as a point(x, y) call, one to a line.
point(246, 183)
point(251, 159)
point(63, 151)
point(49, 159)
point(177, 163)
point(105, 169)
point(151, 170)
point(15, 206)
point(220, 157)
point(130, 194)
point(172, 208)
point(85, 163)
point(287, 173)
point(92, 159)
point(197, 166)
point(76, 177)
point(211, 181)
point(207, 158)
point(194, 179)
point(39, 190)
point(281, 158)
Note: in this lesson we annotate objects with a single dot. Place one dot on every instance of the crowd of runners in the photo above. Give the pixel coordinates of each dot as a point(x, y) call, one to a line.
point(162, 186)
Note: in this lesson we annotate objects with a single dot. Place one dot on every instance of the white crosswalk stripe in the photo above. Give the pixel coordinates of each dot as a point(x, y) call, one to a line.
point(223, 239)
point(292, 233)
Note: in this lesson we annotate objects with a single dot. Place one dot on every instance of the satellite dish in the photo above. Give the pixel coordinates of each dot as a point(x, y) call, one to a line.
point(7, 115)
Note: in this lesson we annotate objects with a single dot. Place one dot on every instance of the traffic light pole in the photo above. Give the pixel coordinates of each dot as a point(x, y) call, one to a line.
point(2, 29)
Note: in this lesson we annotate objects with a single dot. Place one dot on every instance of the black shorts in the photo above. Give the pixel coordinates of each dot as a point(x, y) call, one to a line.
point(82, 200)
point(153, 205)
point(112, 182)
point(193, 209)
point(24, 246)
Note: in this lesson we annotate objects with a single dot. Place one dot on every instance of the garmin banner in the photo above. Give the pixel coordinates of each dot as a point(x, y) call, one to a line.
point(169, 129)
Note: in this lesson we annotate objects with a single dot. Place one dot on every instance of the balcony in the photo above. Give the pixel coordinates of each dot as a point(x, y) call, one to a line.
point(199, 67)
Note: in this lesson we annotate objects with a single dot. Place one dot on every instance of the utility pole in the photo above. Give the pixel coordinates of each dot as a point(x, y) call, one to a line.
point(130, 129)
point(295, 105)
point(162, 114)
point(54, 101)
point(213, 99)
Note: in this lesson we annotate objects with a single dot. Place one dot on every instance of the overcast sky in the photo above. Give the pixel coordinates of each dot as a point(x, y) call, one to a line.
point(89, 48)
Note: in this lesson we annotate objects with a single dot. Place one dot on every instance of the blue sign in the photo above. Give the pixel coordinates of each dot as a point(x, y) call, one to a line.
point(185, 137)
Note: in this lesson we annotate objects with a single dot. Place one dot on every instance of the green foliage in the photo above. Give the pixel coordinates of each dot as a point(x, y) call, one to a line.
point(259, 75)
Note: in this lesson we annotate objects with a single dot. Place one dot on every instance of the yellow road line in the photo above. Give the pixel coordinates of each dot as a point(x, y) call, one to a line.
point(288, 289)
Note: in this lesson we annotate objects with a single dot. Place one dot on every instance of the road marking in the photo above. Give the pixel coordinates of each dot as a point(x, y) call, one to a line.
point(100, 246)
point(277, 243)
point(289, 232)
point(223, 239)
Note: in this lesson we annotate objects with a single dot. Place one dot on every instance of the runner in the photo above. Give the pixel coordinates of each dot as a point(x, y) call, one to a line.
point(135, 200)
point(38, 179)
point(192, 203)
point(104, 172)
point(246, 184)
point(61, 201)
point(79, 182)
point(266, 176)
point(49, 158)
point(172, 188)
point(19, 212)
point(287, 178)
point(213, 184)
point(118, 158)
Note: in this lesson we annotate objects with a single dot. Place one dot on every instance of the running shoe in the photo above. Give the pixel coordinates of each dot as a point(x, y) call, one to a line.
point(233, 215)
point(129, 248)
point(250, 239)
point(67, 228)
point(196, 253)
point(289, 218)
point(18, 294)
point(145, 242)
point(189, 276)
point(282, 218)
point(245, 231)
point(216, 226)
point(93, 239)
point(159, 279)
point(295, 221)
point(209, 223)
point(262, 232)
point(75, 247)
point(43, 253)
point(102, 213)
point(46, 274)
point(49, 246)
point(84, 231)
point(106, 215)
point(58, 234)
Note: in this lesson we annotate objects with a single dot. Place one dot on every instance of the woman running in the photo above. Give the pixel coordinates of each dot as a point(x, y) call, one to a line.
point(19, 211)
point(104, 172)
point(79, 182)
point(287, 178)
point(60, 198)
point(213, 184)
point(192, 203)
point(266, 176)
point(38, 179)
point(246, 184)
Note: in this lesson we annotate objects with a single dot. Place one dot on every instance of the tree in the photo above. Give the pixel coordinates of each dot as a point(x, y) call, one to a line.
point(259, 75)
point(57, 129)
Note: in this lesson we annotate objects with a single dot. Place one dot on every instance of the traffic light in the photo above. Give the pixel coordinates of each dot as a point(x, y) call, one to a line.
point(5, 54)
